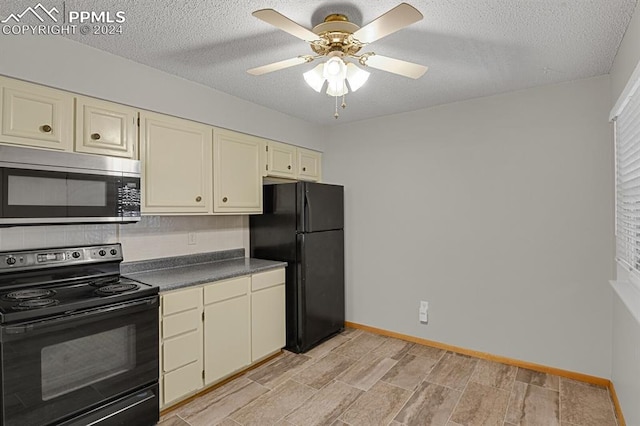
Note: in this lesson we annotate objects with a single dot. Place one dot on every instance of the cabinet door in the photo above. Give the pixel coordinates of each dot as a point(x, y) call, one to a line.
point(267, 322)
point(281, 159)
point(35, 115)
point(105, 128)
point(176, 165)
point(227, 344)
point(237, 176)
point(309, 164)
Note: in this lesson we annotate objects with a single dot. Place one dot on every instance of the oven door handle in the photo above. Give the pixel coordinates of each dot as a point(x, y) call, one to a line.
point(27, 327)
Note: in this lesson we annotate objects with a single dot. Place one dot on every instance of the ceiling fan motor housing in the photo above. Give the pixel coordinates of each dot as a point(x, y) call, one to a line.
point(336, 35)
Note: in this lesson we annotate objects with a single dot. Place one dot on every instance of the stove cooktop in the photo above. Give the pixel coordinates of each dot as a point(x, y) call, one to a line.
point(48, 300)
point(43, 283)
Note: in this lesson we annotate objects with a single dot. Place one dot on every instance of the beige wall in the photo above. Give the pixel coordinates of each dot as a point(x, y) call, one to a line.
point(626, 329)
point(498, 211)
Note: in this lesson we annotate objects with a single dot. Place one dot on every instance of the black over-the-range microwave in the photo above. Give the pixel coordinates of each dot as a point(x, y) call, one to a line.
point(48, 187)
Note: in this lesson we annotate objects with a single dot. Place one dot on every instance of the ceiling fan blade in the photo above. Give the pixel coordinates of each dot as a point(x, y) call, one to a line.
point(396, 66)
point(396, 19)
point(276, 66)
point(280, 21)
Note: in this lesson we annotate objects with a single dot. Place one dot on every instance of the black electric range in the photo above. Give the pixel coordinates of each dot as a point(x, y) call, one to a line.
point(78, 342)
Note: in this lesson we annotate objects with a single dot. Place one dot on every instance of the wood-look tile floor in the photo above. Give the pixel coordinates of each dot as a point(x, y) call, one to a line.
point(359, 378)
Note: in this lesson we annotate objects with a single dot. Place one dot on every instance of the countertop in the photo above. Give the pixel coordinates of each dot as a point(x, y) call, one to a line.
point(184, 271)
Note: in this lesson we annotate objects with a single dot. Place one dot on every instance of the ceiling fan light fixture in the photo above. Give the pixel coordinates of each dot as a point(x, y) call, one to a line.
point(315, 77)
point(335, 69)
point(356, 76)
point(337, 88)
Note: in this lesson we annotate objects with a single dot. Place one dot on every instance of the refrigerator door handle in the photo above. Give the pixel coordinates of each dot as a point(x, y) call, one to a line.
point(307, 212)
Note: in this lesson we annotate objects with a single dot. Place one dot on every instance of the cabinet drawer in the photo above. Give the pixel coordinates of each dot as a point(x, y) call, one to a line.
point(180, 323)
point(182, 382)
point(224, 290)
point(267, 279)
point(182, 300)
point(181, 350)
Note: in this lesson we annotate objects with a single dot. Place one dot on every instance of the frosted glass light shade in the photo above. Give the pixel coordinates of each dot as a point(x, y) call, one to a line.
point(315, 77)
point(335, 71)
point(356, 76)
point(337, 88)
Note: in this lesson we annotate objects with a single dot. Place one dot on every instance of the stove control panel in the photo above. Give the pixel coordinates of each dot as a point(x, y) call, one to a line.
point(34, 259)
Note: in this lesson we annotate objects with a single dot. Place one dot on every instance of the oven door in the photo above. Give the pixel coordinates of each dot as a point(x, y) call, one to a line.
point(58, 196)
point(59, 368)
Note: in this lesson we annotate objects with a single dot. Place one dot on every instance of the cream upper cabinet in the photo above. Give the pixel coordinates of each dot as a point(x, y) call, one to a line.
point(227, 336)
point(35, 115)
point(309, 164)
point(105, 128)
point(237, 173)
point(281, 160)
point(175, 156)
point(290, 162)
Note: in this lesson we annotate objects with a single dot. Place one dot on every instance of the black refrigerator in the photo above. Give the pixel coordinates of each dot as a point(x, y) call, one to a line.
point(302, 224)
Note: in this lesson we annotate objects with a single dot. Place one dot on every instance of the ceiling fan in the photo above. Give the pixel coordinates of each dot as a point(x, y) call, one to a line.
point(338, 40)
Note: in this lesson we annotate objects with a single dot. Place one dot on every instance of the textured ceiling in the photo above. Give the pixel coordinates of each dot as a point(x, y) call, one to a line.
point(473, 48)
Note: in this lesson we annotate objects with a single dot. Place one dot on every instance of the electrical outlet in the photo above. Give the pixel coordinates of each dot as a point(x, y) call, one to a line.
point(423, 312)
point(191, 238)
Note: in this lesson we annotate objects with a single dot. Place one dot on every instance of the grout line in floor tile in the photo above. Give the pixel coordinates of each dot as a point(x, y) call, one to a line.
point(457, 402)
point(184, 420)
point(511, 398)
point(560, 402)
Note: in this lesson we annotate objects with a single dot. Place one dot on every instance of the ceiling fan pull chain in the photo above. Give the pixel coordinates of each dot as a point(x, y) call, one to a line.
point(336, 115)
point(344, 104)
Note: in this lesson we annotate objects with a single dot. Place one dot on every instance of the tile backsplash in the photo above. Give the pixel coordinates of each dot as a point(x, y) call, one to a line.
point(28, 237)
point(152, 237)
point(164, 236)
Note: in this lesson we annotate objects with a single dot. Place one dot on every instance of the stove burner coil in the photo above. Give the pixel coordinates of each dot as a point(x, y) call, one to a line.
point(28, 294)
point(101, 282)
point(34, 304)
point(109, 290)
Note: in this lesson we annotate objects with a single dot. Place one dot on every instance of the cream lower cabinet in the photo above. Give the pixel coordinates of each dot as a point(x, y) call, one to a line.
point(268, 330)
point(237, 172)
point(210, 332)
point(181, 347)
point(35, 115)
point(227, 333)
point(176, 165)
